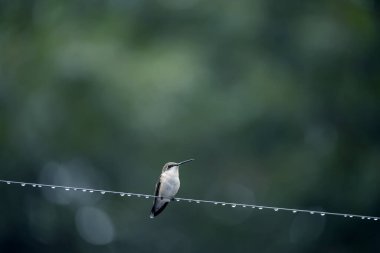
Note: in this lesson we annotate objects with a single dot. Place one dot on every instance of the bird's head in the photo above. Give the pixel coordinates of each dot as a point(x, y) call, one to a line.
point(174, 165)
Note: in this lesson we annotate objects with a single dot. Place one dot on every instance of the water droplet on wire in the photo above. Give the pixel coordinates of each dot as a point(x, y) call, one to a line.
point(122, 194)
point(22, 184)
point(103, 192)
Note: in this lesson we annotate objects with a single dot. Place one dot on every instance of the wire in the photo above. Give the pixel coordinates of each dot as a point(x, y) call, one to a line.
point(147, 196)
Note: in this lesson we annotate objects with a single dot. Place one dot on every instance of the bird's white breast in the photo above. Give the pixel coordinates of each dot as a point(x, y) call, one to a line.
point(169, 183)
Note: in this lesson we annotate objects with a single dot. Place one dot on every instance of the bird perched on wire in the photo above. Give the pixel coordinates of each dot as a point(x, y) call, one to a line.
point(166, 187)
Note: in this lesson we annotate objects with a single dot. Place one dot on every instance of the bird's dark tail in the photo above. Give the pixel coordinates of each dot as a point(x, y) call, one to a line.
point(158, 207)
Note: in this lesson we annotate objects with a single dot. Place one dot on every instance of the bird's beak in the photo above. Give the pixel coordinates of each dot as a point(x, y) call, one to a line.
point(186, 161)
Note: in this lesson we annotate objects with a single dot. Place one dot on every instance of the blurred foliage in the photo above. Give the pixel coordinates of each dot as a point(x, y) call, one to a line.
point(278, 101)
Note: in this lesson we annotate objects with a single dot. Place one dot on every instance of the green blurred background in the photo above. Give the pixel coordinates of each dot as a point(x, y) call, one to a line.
point(278, 102)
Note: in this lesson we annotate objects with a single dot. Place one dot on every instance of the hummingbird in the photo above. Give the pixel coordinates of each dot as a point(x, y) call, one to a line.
point(166, 187)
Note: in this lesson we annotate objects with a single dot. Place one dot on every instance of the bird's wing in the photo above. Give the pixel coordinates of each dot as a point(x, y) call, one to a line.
point(157, 191)
point(158, 205)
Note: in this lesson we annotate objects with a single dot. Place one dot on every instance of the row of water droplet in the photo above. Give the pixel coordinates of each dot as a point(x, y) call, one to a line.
point(233, 205)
